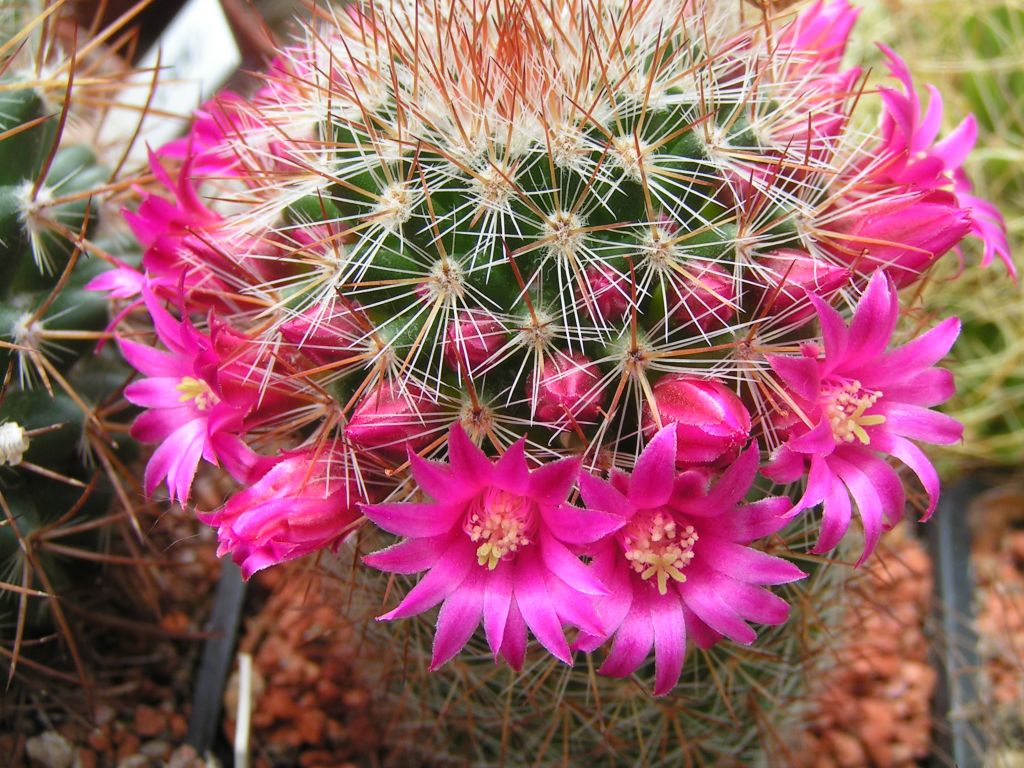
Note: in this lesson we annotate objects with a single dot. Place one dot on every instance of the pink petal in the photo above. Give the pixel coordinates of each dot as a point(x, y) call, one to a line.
point(154, 362)
point(669, 642)
point(917, 355)
point(819, 485)
point(833, 329)
point(574, 608)
point(820, 440)
point(155, 393)
point(874, 321)
point(440, 581)
point(468, 463)
point(176, 460)
point(700, 597)
point(458, 620)
point(633, 641)
point(654, 473)
point(576, 526)
point(836, 515)
point(745, 564)
point(611, 568)
point(755, 521)
point(415, 520)
point(568, 567)
point(600, 495)
point(800, 374)
point(920, 465)
point(436, 480)
point(409, 556)
point(511, 472)
point(550, 483)
point(928, 388)
point(921, 423)
point(535, 604)
point(513, 645)
point(497, 599)
point(869, 504)
point(728, 491)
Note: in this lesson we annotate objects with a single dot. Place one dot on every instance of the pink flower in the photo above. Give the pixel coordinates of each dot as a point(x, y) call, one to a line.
point(188, 411)
point(817, 37)
point(712, 424)
point(681, 565)
point(853, 404)
point(911, 155)
point(903, 234)
point(304, 501)
point(208, 144)
point(496, 544)
point(189, 246)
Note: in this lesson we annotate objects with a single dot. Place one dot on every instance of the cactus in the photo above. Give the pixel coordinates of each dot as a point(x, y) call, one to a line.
point(59, 444)
point(588, 305)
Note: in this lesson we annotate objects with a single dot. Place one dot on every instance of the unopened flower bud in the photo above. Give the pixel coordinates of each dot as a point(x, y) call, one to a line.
point(790, 276)
point(326, 337)
point(712, 424)
point(609, 298)
point(390, 418)
point(569, 385)
point(471, 339)
point(706, 298)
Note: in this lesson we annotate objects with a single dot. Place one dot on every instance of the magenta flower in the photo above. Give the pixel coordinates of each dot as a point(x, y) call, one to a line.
point(496, 544)
point(854, 403)
point(903, 234)
point(681, 565)
point(817, 37)
point(188, 411)
point(911, 155)
point(304, 501)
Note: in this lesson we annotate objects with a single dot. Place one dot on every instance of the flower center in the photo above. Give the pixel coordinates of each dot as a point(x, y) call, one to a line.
point(845, 406)
point(657, 548)
point(197, 390)
point(502, 523)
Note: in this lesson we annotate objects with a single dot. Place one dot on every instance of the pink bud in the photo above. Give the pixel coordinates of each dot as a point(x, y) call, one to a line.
point(471, 339)
point(327, 336)
point(390, 418)
point(706, 299)
point(569, 384)
point(609, 293)
point(790, 275)
point(712, 424)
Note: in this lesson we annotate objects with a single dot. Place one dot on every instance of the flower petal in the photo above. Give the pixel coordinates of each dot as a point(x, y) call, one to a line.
point(458, 620)
point(536, 606)
point(440, 581)
point(633, 641)
point(568, 567)
point(409, 556)
point(669, 642)
point(654, 473)
point(497, 601)
point(414, 520)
